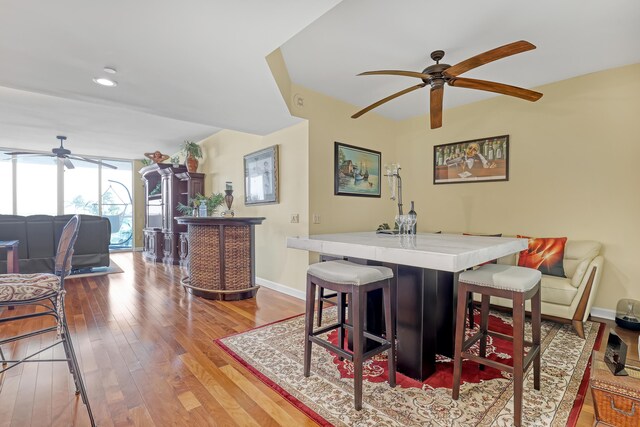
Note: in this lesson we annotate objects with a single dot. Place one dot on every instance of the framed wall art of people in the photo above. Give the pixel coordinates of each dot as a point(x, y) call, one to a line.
point(476, 160)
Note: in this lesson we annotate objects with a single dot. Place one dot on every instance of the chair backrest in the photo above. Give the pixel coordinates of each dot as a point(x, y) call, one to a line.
point(65, 246)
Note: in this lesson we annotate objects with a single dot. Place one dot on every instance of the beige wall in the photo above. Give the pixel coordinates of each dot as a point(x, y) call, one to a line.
point(330, 121)
point(223, 162)
point(573, 170)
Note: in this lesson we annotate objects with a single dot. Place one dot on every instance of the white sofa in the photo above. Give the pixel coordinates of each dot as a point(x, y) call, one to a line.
point(568, 298)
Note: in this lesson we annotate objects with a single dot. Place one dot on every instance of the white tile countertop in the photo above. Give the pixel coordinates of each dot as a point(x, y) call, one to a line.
point(446, 252)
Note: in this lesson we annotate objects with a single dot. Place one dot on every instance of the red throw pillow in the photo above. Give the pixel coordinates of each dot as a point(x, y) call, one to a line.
point(493, 261)
point(544, 254)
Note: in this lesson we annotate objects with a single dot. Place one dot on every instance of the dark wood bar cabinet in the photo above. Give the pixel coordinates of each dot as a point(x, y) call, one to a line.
point(221, 258)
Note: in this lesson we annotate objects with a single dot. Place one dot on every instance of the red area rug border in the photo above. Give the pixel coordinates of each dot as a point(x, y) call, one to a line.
point(571, 421)
point(584, 384)
point(268, 381)
point(271, 384)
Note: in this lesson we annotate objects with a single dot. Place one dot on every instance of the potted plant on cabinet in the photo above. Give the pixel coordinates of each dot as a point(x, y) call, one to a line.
point(192, 152)
point(212, 203)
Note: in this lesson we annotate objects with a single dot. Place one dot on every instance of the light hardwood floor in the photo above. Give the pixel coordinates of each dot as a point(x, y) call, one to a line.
point(148, 358)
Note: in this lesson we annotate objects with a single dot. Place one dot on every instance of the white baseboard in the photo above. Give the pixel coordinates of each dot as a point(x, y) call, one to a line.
point(281, 288)
point(604, 313)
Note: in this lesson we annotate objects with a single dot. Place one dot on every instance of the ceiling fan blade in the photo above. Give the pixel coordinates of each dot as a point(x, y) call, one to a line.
point(388, 98)
point(504, 89)
point(396, 73)
point(489, 56)
point(96, 162)
point(18, 153)
point(107, 165)
point(68, 164)
point(435, 109)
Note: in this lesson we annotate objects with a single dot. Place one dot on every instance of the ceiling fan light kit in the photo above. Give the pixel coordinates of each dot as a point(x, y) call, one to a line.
point(437, 75)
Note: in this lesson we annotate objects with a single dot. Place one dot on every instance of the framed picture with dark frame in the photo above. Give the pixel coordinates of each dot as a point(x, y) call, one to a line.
point(475, 160)
point(261, 177)
point(356, 171)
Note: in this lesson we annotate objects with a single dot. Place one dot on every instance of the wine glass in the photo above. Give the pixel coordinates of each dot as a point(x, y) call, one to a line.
point(405, 222)
point(411, 220)
point(398, 219)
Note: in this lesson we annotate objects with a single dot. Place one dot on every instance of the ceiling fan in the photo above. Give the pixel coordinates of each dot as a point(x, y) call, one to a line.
point(438, 74)
point(64, 155)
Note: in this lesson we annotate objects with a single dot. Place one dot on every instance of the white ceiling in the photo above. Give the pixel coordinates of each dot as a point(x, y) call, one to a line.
point(573, 37)
point(31, 120)
point(185, 70)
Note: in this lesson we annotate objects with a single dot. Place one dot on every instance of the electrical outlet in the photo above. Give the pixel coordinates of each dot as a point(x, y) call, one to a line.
point(316, 218)
point(295, 218)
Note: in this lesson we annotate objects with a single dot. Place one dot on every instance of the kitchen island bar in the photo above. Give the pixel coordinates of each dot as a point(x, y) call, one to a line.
point(425, 272)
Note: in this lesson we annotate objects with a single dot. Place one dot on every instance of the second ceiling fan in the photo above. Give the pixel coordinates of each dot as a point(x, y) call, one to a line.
point(63, 155)
point(437, 75)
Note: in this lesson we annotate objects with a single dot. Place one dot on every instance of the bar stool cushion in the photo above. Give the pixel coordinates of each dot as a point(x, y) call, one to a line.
point(25, 287)
point(349, 273)
point(499, 276)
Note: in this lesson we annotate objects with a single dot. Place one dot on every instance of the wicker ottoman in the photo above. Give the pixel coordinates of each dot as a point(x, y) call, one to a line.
point(616, 399)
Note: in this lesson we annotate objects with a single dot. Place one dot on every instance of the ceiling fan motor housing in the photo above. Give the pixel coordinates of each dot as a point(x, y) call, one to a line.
point(60, 152)
point(436, 72)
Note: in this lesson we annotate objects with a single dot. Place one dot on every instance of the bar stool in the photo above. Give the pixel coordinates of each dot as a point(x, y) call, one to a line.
point(47, 291)
point(518, 284)
point(344, 277)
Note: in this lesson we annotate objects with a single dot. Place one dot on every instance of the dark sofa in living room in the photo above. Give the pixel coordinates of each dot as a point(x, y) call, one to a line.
point(39, 236)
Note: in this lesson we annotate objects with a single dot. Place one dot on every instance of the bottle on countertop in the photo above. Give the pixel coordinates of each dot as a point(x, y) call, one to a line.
point(413, 213)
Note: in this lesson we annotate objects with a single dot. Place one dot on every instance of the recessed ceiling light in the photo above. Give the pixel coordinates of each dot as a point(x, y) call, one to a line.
point(110, 70)
point(105, 82)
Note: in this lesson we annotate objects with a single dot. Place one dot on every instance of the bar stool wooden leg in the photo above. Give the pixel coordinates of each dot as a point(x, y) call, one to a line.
point(459, 339)
point(342, 298)
point(388, 320)
point(470, 308)
point(320, 304)
point(484, 326)
point(535, 335)
point(357, 301)
point(308, 324)
point(518, 356)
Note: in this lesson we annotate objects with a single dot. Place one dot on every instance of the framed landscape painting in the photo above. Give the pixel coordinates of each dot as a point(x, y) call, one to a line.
point(261, 177)
point(476, 160)
point(356, 171)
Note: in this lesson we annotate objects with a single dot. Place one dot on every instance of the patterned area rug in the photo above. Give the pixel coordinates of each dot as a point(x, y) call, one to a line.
point(274, 353)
